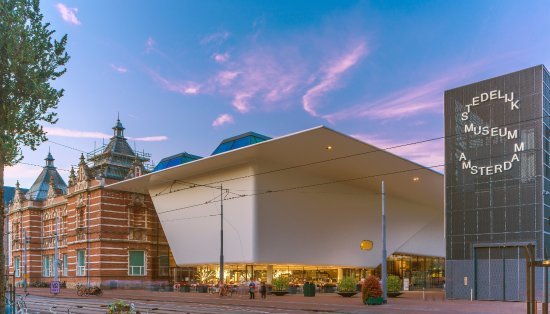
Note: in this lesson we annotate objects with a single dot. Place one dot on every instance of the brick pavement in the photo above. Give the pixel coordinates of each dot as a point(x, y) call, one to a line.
point(409, 302)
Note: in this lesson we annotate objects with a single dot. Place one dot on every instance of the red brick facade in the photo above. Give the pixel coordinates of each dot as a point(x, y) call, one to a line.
point(105, 226)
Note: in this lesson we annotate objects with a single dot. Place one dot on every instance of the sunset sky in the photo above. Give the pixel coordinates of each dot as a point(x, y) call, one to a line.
point(186, 74)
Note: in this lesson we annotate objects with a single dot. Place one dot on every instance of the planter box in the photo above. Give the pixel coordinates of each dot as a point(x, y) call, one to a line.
point(347, 294)
point(394, 294)
point(329, 289)
point(185, 289)
point(279, 293)
point(374, 301)
point(202, 289)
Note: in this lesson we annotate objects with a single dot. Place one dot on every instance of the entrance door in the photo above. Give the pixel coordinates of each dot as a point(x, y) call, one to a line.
point(498, 273)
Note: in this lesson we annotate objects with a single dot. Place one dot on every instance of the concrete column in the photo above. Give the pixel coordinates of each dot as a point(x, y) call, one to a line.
point(340, 274)
point(269, 274)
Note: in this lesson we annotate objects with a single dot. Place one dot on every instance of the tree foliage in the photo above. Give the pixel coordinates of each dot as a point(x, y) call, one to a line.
point(30, 59)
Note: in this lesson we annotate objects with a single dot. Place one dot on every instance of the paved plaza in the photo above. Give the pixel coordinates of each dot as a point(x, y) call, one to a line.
point(40, 301)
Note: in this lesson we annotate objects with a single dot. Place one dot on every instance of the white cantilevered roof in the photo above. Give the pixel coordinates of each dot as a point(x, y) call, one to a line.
point(349, 160)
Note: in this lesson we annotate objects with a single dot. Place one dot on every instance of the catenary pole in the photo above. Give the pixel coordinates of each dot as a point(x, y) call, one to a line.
point(221, 234)
point(384, 253)
point(25, 276)
point(56, 251)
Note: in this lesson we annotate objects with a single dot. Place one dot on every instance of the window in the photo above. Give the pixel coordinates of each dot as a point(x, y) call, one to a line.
point(136, 263)
point(47, 266)
point(81, 262)
point(65, 265)
point(17, 266)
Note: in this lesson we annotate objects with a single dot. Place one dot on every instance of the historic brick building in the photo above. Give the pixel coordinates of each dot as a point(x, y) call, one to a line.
point(105, 237)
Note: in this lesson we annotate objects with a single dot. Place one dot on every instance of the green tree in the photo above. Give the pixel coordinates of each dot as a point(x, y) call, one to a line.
point(30, 59)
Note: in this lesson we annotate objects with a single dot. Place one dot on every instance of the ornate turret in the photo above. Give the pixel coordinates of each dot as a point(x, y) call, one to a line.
point(19, 196)
point(118, 129)
point(84, 172)
point(41, 186)
point(116, 159)
point(72, 177)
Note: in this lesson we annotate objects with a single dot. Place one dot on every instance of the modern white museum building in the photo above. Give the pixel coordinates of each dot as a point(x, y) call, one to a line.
point(299, 205)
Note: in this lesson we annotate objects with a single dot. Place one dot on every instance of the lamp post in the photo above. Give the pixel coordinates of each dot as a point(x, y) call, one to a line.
point(384, 252)
point(221, 234)
point(529, 250)
point(545, 264)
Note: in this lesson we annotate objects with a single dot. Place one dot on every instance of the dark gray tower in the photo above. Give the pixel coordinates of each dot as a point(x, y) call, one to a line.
point(497, 183)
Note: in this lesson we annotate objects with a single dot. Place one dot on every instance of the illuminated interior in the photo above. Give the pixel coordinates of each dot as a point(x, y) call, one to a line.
point(421, 272)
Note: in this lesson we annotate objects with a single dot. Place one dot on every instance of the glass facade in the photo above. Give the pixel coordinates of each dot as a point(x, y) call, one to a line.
point(494, 182)
point(546, 193)
point(421, 271)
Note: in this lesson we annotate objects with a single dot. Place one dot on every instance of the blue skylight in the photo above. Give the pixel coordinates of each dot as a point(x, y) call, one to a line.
point(175, 160)
point(239, 141)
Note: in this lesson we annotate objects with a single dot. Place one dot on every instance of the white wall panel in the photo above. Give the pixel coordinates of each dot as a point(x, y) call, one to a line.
point(195, 239)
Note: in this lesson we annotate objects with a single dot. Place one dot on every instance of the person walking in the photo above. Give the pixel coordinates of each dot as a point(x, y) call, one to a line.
point(263, 290)
point(252, 289)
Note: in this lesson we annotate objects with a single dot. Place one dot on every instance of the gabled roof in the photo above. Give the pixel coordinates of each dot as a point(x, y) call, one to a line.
point(239, 141)
point(40, 187)
point(175, 160)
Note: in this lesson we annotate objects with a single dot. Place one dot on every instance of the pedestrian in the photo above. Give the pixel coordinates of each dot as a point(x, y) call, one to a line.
point(252, 289)
point(263, 290)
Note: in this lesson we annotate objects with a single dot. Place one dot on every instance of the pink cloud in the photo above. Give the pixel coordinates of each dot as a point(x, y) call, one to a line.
point(215, 38)
point(21, 171)
point(184, 88)
point(150, 44)
point(55, 131)
point(424, 98)
point(399, 104)
point(264, 77)
point(119, 69)
point(241, 102)
point(68, 14)
point(220, 57)
point(226, 77)
point(160, 138)
point(429, 153)
point(223, 119)
point(61, 132)
point(331, 77)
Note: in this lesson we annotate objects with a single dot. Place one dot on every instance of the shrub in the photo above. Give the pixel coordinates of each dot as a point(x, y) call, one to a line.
point(371, 288)
point(347, 284)
point(280, 283)
point(120, 307)
point(394, 283)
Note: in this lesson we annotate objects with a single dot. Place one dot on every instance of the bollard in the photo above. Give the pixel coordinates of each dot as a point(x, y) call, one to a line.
point(471, 294)
point(423, 294)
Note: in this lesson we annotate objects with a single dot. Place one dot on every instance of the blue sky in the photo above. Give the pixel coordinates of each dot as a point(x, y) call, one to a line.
point(186, 74)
